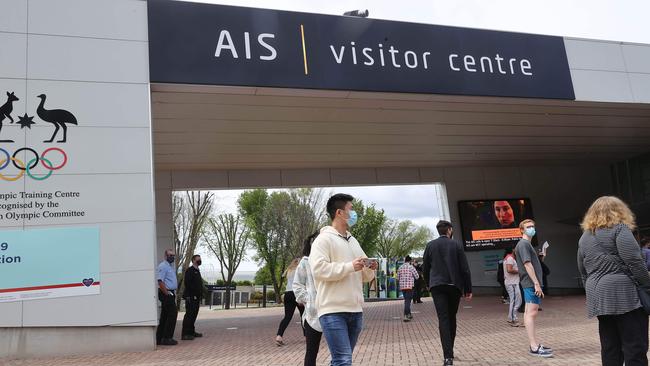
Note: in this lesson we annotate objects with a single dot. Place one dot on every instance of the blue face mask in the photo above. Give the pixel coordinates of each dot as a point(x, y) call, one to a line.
point(353, 218)
point(530, 232)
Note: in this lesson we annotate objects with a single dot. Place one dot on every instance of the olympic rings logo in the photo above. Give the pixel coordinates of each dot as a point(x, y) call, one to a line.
point(31, 164)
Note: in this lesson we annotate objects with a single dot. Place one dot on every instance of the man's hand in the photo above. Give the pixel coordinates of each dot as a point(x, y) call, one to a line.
point(163, 288)
point(358, 264)
point(538, 291)
point(468, 297)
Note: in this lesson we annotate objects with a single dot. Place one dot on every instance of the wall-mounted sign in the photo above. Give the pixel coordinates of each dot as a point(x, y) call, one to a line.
point(194, 43)
point(48, 263)
point(220, 288)
point(490, 259)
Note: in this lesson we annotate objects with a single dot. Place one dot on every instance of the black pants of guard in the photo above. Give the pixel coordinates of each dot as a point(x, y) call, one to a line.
point(312, 339)
point(168, 315)
point(290, 306)
point(417, 293)
point(624, 338)
point(192, 305)
point(446, 299)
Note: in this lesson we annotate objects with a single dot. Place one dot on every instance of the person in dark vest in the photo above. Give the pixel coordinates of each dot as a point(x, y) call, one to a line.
point(448, 277)
point(193, 294)
point(420, 285)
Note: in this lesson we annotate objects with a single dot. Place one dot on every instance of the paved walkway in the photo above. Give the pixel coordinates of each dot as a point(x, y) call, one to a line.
point(245, 337)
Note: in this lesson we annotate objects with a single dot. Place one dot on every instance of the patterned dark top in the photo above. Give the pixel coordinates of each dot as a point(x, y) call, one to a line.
point(608, 260)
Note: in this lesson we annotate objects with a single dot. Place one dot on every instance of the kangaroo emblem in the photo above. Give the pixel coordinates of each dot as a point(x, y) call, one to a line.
point(6, 109)
point(57, 117)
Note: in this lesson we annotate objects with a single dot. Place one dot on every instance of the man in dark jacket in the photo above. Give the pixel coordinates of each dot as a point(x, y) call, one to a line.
point(192, 295)
point(419, 285)
point(448, 278)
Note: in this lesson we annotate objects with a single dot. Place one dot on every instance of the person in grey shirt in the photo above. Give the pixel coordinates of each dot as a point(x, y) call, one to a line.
point(611, 265)
point(530, 274)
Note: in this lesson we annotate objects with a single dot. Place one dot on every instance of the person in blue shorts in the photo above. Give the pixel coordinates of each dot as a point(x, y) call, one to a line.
point(530, 274)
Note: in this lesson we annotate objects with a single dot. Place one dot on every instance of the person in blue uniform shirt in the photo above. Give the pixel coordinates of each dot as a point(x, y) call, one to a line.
point(167, 285)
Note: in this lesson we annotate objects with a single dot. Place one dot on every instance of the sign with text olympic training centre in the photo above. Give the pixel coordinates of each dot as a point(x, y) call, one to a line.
point(208, 44)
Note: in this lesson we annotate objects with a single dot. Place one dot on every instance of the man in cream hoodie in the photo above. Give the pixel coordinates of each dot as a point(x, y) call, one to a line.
point(339, 268)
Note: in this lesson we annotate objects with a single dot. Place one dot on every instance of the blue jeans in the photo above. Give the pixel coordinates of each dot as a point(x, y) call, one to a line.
point(341, 330)
point(408, 297)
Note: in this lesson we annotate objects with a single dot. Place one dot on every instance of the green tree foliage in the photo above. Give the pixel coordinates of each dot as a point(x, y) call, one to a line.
point(279, 222)
point(368, 227)
point(401, 238)
point(263, 276)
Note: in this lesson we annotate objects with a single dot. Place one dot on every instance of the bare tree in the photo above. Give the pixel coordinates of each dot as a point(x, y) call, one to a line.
point(306, 215)
point(227, 238)
point(190, 210)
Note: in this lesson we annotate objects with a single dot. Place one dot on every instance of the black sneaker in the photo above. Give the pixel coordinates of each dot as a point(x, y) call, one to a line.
point(540, 352)
point(197, 335)
point(448, 362)
point(187, 337)
point(549, 349)
point(168, 342)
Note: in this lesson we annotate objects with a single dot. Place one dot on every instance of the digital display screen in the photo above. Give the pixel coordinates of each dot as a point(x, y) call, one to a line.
point(493, 224)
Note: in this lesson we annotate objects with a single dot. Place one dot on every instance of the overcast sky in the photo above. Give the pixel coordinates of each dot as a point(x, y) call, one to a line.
point(617, 20)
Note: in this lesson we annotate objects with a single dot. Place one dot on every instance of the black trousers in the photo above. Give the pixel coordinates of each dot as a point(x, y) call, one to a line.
point(504, 291)
point(168, 315)
point(522, 308)
point(192, 305)
point(416, 293)
point(446, 299)
point(312, 339)
point(290, 305)
point(624, 338)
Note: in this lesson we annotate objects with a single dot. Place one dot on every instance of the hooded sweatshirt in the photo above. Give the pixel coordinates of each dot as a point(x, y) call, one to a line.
point(339, 289)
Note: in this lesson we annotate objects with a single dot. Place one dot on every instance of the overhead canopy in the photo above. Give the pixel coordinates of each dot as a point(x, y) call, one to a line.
point(208, 127)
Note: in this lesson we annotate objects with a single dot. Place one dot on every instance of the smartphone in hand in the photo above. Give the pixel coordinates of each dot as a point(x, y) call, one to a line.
point(367, 262)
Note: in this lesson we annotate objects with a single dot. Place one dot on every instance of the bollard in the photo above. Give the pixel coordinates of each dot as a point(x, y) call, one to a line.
point(264, 296)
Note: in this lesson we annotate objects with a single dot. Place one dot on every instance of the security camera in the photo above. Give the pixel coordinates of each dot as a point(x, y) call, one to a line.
point(357, 13)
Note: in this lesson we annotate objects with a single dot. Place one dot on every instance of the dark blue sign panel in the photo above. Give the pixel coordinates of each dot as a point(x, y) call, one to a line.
point(194, 43)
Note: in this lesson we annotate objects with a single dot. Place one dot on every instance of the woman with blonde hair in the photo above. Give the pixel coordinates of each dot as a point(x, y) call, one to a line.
point(290, 303)
point(612, 269)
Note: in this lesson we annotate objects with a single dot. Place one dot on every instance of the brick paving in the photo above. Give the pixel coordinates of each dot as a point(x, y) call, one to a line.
point(245, 337)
